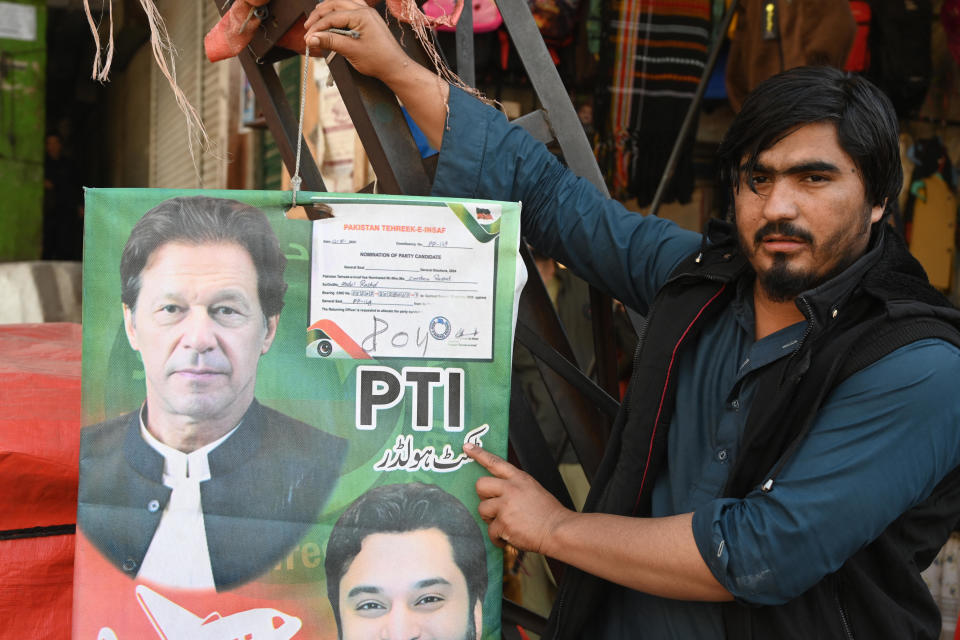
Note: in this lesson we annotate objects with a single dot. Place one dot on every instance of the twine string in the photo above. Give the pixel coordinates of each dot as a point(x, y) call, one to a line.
point(295, 180)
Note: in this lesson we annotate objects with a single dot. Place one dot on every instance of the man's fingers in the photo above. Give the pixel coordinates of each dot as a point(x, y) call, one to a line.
point(488, 509)
point(328, 7)
point(497, 533)
point(492, 463)
point(340, 14)
point(489, 487)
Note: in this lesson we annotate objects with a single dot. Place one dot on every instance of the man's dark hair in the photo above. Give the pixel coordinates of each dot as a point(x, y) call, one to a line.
point(199, 220)
point(404, 508)
point(867, 127)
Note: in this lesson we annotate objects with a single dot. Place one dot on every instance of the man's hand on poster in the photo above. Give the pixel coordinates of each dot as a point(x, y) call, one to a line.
point(375, 52)
point(663, 558)
point(517, 510)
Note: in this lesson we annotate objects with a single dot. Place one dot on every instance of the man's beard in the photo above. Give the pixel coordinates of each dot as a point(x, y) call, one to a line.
point(780, 282)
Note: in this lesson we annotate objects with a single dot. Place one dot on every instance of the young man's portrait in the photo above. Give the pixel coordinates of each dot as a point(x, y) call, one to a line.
point(407, 561)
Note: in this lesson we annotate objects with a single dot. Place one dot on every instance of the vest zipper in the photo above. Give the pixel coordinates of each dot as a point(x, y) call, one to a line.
point(809, 328)
point(559, 607)
point(843, 617)
point(641, 337)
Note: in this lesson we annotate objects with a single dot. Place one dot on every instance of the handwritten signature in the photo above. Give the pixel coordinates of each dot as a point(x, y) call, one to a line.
point(404, 457)
point(400, 339)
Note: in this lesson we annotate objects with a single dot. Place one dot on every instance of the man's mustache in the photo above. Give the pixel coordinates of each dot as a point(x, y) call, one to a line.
point(787, 229)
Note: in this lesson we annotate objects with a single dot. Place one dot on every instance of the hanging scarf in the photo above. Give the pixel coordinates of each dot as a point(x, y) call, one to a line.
point(660, 52)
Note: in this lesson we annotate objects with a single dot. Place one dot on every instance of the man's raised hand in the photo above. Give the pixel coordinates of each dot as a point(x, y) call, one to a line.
point(374, 53)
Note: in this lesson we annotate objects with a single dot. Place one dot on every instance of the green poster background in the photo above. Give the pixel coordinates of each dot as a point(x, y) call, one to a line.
point(318, 391)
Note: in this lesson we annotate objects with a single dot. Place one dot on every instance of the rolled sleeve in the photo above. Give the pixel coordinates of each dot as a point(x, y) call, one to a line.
point(463, 147)
point(883, 440)
point(621, 252)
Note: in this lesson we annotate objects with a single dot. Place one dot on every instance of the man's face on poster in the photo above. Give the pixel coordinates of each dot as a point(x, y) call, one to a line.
point(200, 329)
point(407, 585)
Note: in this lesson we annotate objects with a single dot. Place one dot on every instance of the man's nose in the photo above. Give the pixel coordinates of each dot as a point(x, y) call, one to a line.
point(401, 624)
point(780, 201)
point(199, 331)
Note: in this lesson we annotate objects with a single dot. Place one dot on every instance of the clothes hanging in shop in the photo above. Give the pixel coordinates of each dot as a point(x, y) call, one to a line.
point(900, 63)
point(660, 51)
point(775, 35)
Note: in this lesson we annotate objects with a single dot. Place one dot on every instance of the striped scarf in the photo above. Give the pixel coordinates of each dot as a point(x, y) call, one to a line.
point(659, 52)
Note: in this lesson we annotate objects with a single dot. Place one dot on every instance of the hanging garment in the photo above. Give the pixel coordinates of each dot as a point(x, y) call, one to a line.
point(950, 18)
point(775, 35)
point(900, 51)
point(486, 17)
point(556, 19)
point(859, 58)
point(660, 53)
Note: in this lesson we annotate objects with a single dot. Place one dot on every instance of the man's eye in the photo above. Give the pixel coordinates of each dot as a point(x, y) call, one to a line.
point(370, 605)
point(817, 178)
point(431, 599)
point(225, 313)
point(170, 308)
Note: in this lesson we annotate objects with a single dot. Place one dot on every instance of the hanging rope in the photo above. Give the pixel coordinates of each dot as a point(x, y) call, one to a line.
point(100, 72)
point(295, 179)
point(165, 55)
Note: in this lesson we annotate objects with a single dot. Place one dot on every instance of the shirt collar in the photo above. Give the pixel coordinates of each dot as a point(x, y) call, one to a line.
point(177, 464)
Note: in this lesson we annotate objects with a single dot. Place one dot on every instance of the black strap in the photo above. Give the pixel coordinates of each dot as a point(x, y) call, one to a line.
point(515, 614)
point(39, 532)
point(896, 335)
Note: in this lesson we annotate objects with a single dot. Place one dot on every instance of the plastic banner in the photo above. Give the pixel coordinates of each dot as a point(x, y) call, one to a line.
point(276, 411)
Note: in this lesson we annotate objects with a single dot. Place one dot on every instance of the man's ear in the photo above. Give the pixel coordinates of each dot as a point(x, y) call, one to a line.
point(130, 327)
point(478, 617)
point(272, 322)
point(876, 212)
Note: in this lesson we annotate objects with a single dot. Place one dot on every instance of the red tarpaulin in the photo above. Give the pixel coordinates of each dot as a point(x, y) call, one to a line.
point(39, 450)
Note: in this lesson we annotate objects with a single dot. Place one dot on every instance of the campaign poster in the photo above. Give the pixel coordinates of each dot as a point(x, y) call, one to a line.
point(275, 411)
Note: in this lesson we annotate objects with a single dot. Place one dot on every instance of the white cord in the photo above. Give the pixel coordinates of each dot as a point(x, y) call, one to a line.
point(295, 180)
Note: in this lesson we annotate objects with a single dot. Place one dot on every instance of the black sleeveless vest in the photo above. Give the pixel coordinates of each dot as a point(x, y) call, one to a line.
point(877, 305)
